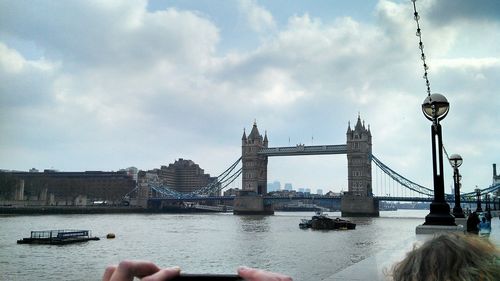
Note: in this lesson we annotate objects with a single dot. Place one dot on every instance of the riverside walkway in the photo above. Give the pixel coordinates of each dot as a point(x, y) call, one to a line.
point(377, 266)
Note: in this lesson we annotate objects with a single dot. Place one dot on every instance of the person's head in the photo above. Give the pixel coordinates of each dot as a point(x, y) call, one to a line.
point(483, 219)
point(450, 257)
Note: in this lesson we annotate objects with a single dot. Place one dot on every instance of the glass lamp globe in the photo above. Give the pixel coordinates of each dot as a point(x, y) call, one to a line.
point(456, 160)
point(435, 106)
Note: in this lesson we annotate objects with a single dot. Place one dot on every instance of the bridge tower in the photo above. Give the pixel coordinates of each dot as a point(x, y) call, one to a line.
point(358, 200)
point(254, 175)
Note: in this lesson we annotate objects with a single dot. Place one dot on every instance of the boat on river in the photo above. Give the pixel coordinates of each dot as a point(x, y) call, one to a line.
point(58, 237)
point(322, 221)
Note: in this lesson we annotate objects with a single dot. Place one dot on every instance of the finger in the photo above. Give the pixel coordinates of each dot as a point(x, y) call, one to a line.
point(163, 274)
point(252, 274)
point(108, 272)
point(247, 273)
point(127, 270)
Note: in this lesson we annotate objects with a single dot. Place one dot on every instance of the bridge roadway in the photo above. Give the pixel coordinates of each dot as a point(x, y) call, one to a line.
point(304, 150)
point(305, 197)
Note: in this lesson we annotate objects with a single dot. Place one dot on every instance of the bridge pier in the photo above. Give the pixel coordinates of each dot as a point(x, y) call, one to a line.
point(251, 204)
point(359, 206)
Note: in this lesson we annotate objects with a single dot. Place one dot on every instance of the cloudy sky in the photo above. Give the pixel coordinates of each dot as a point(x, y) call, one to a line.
point(104, 85)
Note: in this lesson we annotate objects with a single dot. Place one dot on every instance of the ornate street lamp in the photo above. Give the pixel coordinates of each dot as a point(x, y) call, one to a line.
point(435, 108)
point(456, 160)
point(478, 194)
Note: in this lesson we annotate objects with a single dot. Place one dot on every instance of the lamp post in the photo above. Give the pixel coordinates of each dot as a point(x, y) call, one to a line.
point(478, 194)
point(487, 198)
point(456, 160)
point(435, 108)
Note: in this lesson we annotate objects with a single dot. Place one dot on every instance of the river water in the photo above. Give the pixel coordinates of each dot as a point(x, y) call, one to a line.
point(201, 243)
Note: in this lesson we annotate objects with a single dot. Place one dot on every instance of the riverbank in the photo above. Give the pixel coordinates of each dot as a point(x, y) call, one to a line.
point(88, 210)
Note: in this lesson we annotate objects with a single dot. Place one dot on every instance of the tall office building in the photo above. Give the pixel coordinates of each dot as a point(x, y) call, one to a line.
point(184, 176)
point(273, 186)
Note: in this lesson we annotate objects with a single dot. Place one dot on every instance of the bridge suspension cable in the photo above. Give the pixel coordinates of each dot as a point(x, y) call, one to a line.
point(421, 189)
point(402, 180)
point(490, 189)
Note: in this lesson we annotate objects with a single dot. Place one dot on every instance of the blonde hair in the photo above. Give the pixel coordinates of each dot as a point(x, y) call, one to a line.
point(450, 257)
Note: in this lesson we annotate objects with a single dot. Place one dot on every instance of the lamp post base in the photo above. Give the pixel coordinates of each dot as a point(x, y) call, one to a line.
point(458, 212)
point(439, 214)
point(435, 229)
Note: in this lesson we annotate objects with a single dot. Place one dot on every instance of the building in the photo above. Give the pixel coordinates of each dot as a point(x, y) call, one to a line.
point(52, 187)
point(333, 194)
point(319, 191)
point(184, 176)
point(132, 172)
point(274, 186)
point(288, 186)
point(232, 192)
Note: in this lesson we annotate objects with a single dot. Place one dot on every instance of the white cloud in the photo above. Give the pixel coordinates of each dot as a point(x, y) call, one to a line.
point(258, 18)
point(10, 60)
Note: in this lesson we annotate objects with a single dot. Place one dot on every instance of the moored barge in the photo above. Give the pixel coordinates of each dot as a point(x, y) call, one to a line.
point(58, 237)
point(322, 221)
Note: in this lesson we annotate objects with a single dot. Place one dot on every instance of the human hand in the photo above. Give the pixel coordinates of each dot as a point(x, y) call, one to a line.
point(147, 271)
point(252, 274)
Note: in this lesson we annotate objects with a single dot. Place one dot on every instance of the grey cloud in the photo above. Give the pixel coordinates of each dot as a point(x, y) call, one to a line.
point(29, 88)
point(444, 12)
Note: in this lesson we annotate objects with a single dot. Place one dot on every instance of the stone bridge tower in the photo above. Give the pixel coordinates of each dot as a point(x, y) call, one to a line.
point(359, 168)
point(254, 177)
point(250, 201)
point(358, 200)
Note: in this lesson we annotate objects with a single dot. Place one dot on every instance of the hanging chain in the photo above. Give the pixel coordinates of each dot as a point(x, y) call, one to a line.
point(421, 47)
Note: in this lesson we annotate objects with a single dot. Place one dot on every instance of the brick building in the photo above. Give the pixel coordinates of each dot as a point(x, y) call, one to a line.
point(184, 176)
point(64, 188)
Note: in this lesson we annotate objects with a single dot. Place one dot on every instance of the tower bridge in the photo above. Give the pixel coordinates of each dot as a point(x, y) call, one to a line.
point(364, 192)
point(357, 201)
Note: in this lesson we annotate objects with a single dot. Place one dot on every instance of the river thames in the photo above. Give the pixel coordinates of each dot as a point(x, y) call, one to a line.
point(202, 243)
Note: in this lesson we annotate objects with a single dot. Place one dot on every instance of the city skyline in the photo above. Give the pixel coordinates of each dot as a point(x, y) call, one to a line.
point(102, 86)
point(276, 185)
